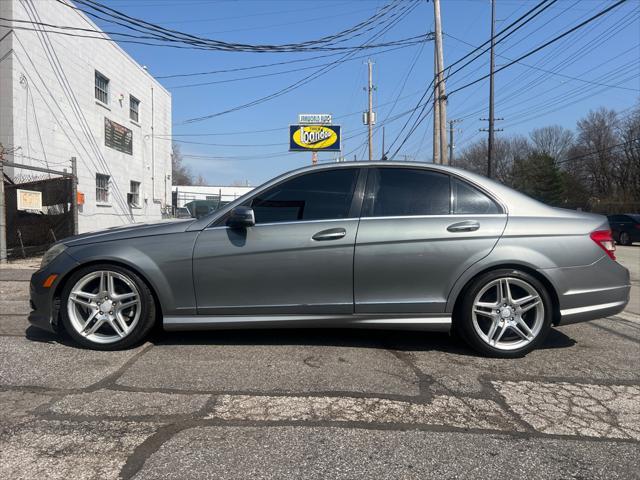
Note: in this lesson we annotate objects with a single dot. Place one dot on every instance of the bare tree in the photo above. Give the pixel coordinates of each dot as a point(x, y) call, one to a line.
point(180, 172)
point(200, 180)
point(596, 147)
point(506, 151)
point(597, 168)
point(628, 168)
point(554, 141)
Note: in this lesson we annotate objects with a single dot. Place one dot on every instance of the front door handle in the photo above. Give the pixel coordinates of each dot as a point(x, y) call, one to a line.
point(331, 234)
point(467, 226)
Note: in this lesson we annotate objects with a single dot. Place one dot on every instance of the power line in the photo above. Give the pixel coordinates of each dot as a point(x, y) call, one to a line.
point(544, 45)
point(550, 72)
point(507, 93)
point(301, 81)
point(558, 37)
point(102, 12)
point(523, 18)
point(271, 74)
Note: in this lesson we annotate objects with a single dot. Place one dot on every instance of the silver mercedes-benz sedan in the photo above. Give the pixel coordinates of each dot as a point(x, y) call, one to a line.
point(373, 245)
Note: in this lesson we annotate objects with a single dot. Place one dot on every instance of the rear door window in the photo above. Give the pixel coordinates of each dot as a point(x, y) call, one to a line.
point(397, 192)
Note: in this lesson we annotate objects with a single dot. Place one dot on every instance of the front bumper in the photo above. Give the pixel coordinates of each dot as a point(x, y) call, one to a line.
point(43, 301)
point(589, 292)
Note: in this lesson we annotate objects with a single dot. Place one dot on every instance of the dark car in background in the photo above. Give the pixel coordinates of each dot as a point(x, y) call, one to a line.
point(625, 228)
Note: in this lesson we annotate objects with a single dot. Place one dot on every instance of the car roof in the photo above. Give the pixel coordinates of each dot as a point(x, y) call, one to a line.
point(514, 202)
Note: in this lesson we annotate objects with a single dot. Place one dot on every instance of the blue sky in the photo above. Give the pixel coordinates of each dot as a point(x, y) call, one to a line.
point(598, 65)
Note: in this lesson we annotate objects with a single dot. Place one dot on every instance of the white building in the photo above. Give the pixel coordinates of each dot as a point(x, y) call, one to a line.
point(64, 96)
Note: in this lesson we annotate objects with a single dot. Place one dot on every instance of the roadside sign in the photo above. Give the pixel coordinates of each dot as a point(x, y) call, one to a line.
point(314, 138)
point(29, 199)
point(315, 118)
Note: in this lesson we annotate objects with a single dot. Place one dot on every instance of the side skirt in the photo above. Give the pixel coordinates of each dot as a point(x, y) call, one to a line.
point(439, 323)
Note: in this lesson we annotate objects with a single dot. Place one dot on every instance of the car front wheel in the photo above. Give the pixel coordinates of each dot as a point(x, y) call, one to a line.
point(107, 307)
point(505, 313)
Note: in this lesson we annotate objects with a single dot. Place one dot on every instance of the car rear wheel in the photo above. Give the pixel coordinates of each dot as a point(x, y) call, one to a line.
point(107, 307)
point(625, 239)
point(505, 313)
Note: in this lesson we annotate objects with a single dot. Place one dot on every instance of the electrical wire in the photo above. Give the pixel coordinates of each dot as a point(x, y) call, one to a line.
point(302, 81)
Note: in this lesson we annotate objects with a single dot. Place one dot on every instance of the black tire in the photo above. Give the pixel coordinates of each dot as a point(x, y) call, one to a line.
point(139, 332)
point(625, 238)
point(463, 322)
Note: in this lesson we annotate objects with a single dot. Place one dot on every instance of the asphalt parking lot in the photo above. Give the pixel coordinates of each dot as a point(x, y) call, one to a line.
point(319, 404)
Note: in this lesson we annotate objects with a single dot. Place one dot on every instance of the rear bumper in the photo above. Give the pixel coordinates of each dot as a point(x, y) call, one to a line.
point(592, 312)
point(589, 292)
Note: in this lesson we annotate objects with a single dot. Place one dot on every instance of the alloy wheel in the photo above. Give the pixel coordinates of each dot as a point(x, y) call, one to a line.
point(104, 306)
point(508, 313)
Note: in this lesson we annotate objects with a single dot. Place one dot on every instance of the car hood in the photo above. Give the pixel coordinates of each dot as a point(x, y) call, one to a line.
point(129, 231)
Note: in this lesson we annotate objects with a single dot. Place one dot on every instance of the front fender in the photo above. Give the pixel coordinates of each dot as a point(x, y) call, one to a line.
point(165, 262)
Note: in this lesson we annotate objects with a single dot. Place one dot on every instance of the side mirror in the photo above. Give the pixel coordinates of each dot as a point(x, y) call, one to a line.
point(241, 217)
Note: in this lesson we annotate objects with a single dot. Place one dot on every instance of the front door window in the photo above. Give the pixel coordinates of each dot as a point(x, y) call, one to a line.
point(314, 196)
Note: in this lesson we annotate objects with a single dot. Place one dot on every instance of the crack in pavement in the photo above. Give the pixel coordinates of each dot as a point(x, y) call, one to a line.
point(442, 410)
point(576, 409)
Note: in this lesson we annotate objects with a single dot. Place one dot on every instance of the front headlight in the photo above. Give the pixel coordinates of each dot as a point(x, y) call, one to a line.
point(52, 253)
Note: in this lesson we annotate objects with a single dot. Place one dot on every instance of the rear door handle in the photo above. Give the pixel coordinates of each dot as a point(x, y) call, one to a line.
point(331, 234)
point(467, 226)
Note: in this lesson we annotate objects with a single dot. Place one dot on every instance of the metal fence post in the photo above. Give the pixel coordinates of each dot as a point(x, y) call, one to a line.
point(3, 218)
point(74, 193)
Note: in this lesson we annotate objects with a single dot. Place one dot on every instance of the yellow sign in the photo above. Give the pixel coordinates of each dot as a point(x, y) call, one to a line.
point(314, 137)
point(29, 199)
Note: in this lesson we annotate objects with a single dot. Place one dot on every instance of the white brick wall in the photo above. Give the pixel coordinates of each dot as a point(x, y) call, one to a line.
point(48, 109)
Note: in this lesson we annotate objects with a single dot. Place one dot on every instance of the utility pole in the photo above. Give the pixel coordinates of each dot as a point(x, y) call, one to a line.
point(491, 75)
point(451, 143)
point(436, 108)
point(3, 223)
point(491, 144)
point(370, 115)
point(441, 91)
point(74, 194)
point(384, 152)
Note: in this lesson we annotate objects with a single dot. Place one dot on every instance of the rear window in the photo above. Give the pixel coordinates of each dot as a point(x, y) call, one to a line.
point(471, 201)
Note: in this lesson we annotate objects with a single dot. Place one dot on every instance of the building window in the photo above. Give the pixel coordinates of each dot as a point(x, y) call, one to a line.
point(134, 108)
point(134, 193)
point(102, 188)
point(102, 88)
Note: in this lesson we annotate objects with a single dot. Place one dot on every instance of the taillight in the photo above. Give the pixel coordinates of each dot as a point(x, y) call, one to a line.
point(637, 226)
point(605, 241)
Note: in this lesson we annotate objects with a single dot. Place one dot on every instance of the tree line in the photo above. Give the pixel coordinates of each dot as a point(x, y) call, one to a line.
point(594, 168)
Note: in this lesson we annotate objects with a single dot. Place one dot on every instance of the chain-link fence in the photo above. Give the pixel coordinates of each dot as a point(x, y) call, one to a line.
point(44, 218)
